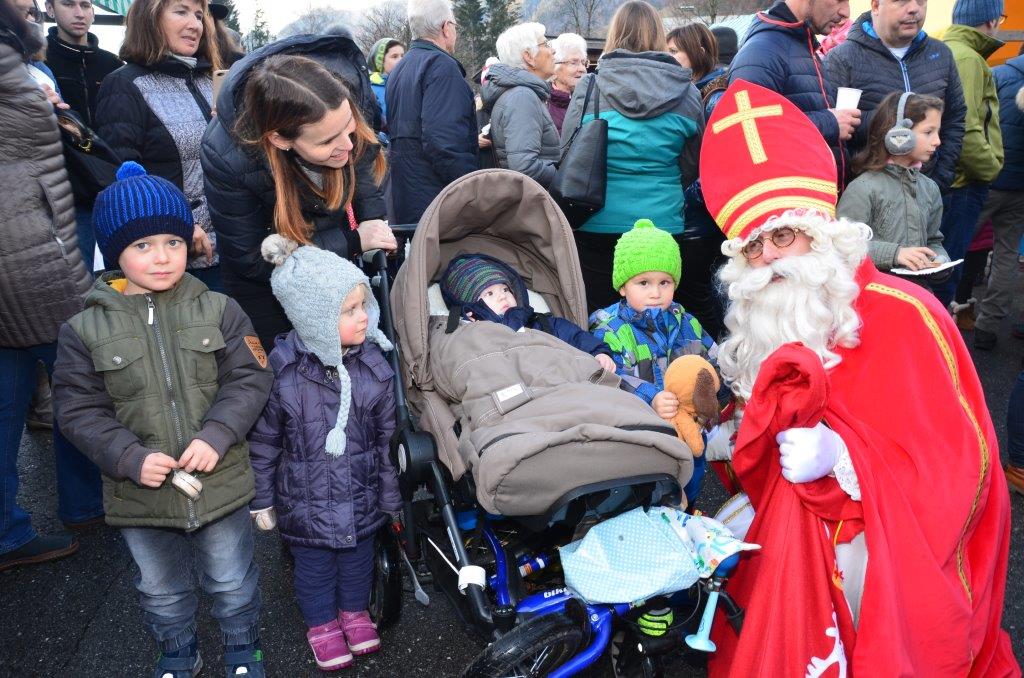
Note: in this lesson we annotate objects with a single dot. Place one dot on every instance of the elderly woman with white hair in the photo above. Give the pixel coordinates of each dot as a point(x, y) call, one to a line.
point(516, 94)
point(570, 65)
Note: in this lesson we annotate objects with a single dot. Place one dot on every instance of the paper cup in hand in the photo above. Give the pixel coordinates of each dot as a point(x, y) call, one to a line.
point(847, 98)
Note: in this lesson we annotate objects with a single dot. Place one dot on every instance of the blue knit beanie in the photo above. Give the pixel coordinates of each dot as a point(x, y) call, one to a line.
point(976, 12)
point(311, 285)
point(135, 206)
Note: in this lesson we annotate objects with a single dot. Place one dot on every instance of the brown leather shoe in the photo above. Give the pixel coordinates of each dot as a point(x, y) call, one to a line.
point(40, 550)
point(1014, 478)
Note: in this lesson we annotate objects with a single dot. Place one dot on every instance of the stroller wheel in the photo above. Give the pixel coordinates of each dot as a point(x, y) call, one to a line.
point(532, 649)
point(386, 589)
point(627, 662)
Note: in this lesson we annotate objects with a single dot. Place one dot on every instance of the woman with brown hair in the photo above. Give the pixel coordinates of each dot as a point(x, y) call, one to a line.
point(655, 124)
point(695, 47)
point(154, 109)
point(306, 165)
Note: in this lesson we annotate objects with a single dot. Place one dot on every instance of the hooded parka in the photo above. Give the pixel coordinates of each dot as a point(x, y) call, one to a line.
point(524, 135)
point(655, 123)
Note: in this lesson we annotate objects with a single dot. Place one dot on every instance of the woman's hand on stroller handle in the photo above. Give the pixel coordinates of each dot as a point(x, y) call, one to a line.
point(375, 234)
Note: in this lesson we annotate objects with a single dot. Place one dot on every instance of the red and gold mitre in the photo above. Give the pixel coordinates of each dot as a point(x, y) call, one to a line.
point(760, 157)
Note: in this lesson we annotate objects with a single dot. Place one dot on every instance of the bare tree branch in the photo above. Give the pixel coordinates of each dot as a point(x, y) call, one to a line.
point(386, 20)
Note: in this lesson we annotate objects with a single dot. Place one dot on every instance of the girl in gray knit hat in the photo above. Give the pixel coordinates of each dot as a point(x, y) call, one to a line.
point(320, 449)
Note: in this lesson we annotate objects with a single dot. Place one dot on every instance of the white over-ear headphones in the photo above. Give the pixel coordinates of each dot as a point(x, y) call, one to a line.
point(900, 139)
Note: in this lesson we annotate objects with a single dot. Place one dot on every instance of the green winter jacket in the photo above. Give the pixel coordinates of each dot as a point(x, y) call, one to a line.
point(152, 372)
point(981, 157)
point(903, 208)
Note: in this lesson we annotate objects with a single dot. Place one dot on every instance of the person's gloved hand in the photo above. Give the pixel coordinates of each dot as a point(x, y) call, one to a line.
point(721, 442)
point(266, 519)
point(808, 454)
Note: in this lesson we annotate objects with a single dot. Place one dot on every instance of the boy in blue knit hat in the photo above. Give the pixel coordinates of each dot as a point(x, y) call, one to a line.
point(647, 329)
point(158, 381)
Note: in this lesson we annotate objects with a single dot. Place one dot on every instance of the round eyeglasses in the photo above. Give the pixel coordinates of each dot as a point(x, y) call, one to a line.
point(780, 237)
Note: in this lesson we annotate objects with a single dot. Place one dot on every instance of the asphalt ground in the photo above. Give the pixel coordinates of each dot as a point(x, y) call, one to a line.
point(79, 616)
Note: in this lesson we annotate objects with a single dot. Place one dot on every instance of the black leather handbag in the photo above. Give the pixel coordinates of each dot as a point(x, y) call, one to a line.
point(92, 164)
point(582, 171)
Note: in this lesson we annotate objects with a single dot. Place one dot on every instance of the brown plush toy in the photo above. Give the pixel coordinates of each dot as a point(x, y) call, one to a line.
point(694, 382)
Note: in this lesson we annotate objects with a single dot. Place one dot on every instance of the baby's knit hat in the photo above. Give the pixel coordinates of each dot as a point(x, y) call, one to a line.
point(311, 285)
point(468, 275)
point(135, 206)
point(645, 248)
point(976, 12)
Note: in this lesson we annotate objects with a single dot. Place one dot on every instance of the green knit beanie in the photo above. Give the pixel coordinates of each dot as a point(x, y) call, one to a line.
point(645, 248)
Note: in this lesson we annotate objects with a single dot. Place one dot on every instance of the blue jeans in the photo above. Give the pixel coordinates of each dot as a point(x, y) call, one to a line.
point(79, 489)
point(961, 208)
point(1015, 423)
point(328, 580)
point(86, 237)
point(220, 556)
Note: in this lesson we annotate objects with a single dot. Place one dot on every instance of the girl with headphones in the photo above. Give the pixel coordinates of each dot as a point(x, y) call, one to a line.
point(902, 206)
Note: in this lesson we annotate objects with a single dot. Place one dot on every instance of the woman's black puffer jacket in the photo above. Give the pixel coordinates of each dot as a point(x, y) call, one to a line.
point(240, 188)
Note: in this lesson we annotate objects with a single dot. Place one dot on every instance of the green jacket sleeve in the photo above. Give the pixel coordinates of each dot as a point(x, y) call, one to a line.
point(981, 157)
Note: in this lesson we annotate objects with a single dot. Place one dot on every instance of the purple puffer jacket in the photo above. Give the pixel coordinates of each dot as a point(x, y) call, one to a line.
point(324, 501)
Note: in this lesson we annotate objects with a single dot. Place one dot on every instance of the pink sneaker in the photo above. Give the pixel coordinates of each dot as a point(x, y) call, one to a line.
point(329, 648)
point(360, 631)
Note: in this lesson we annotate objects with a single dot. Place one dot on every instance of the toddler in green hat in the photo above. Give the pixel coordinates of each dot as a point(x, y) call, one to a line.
point(646, 330)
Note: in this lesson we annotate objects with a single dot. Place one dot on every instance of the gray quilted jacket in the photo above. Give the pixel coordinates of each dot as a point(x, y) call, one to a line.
point(903, 208)
point(42, 279)
point(524, 135)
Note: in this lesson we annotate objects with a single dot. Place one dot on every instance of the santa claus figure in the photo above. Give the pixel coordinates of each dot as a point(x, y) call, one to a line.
point(865, 443)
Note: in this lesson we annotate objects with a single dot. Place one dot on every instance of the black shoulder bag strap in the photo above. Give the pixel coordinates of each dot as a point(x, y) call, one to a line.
point(591, 84)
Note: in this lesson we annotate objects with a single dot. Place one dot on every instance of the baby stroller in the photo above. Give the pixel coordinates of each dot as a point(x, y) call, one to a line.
point(501, 572)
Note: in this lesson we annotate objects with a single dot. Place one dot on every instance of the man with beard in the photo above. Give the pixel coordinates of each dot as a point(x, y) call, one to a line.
point(865, 444)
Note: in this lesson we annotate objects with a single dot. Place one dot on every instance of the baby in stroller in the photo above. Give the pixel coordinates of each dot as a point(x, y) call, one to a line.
point(478, 287)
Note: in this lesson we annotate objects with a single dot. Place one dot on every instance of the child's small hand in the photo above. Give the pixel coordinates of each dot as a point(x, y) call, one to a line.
point(916, 258)
point(605, 361)
point(155, 468)
point(198, 456)
point(266, 519)
point(666, 405)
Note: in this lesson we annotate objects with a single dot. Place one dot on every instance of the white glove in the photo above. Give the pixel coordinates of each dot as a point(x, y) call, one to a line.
point(807, 454)
point(266, 519)
point(720, 444)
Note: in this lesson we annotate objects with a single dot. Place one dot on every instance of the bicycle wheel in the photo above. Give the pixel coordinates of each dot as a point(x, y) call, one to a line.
point(530, 650)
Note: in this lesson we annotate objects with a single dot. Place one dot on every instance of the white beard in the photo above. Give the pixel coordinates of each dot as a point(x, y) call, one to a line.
point(812, 303)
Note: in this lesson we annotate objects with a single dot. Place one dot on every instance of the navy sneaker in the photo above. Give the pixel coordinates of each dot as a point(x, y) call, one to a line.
point(185, 662)
point(244, 660)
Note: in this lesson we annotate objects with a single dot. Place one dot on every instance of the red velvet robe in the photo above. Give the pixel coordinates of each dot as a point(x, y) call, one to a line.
point(935, 510)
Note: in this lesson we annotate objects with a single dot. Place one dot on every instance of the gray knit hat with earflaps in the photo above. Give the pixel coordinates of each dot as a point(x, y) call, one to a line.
point(311, 285)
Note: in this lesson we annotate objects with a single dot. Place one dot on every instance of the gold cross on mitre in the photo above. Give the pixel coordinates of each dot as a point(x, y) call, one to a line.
point(747, 116)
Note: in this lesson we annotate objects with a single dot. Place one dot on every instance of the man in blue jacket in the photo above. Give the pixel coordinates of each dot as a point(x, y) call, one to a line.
point(780, 53)
point(431, 113)
point(1004, 205)
point(888, 51)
